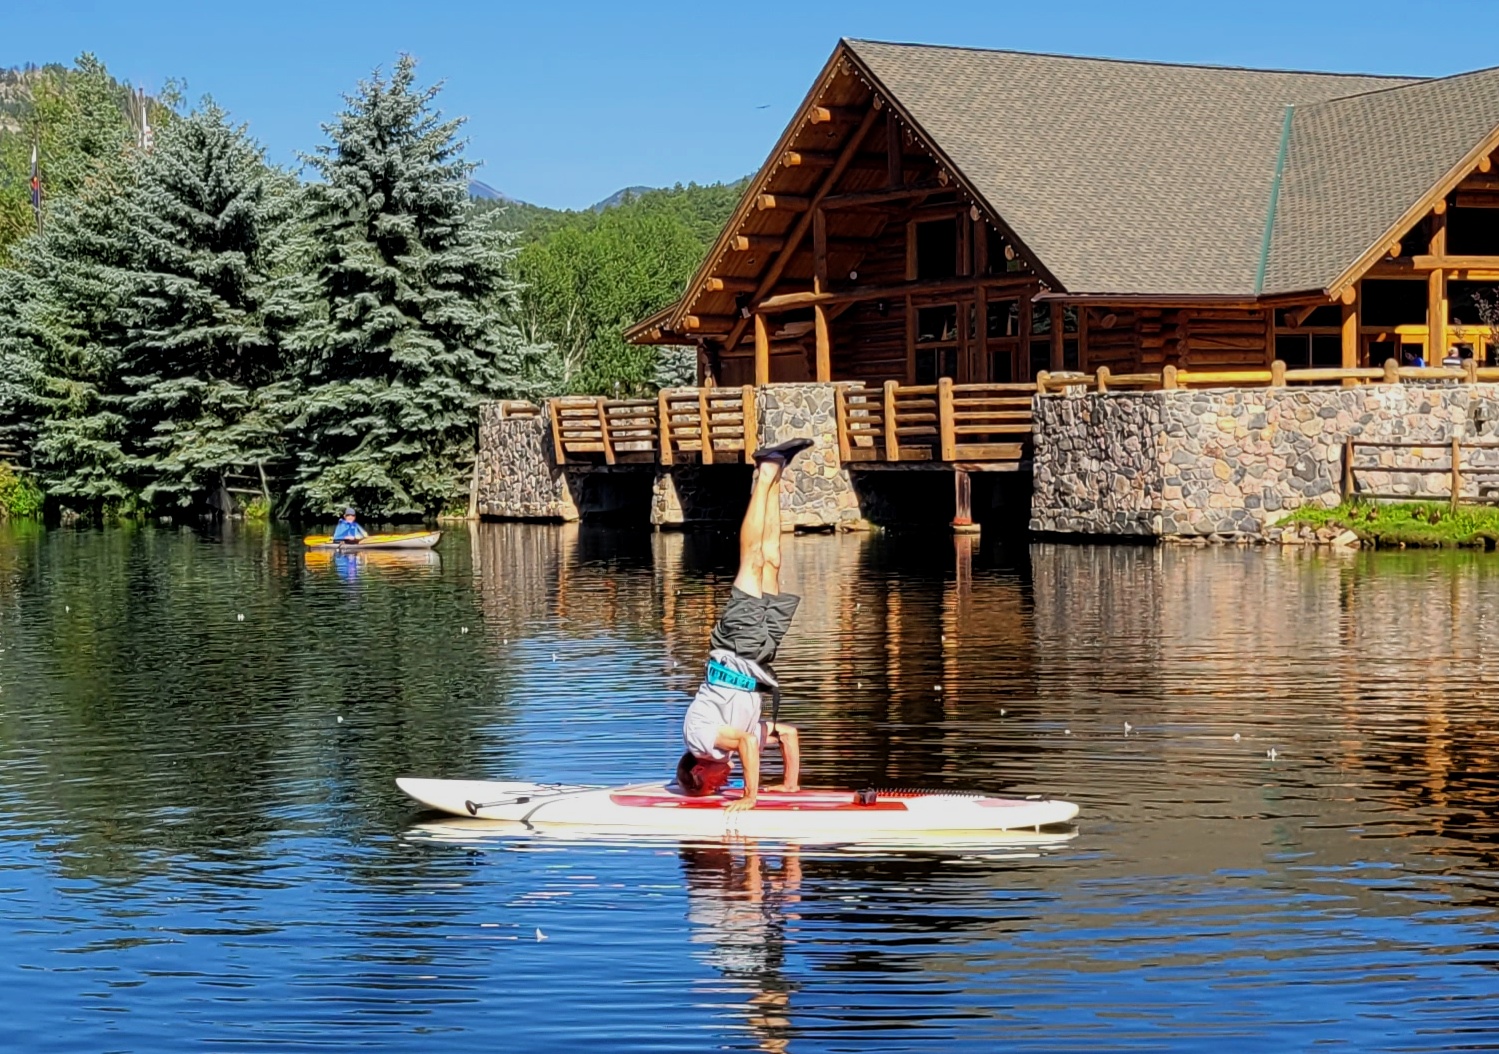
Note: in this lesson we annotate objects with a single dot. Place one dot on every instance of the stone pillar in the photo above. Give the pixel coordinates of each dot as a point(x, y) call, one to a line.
point(516, 474)
point(816, 490)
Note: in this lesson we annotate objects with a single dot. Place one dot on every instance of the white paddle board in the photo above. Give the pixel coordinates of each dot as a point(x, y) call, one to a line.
point(660, 808)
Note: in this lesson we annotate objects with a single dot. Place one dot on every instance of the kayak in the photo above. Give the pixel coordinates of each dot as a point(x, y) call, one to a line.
point(662, 809)
point(414, 540)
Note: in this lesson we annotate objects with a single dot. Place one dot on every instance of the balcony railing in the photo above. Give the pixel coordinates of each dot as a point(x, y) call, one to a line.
point(934, 422)
point(710, 425)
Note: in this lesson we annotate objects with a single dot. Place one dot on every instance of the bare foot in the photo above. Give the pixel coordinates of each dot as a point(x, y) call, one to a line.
point(785, 788)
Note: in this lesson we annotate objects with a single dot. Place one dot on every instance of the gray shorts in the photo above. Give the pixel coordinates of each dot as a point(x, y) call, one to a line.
point(754, 626)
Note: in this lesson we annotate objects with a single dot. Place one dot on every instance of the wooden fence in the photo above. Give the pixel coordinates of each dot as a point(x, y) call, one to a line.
point(934, 422)
point(716, 425)
point(1484, 477)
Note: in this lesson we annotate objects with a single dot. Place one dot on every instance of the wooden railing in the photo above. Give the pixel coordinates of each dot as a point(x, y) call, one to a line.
point(1484, 477)
point(714, 424)
point(622, 430)
point(934, 422)
point(1276, 376)
point(717, 424)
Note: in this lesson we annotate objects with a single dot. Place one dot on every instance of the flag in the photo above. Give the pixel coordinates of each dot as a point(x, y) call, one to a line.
point(36, 186)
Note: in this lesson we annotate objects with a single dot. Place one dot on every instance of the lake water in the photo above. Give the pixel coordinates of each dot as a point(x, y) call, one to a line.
point(201, 847)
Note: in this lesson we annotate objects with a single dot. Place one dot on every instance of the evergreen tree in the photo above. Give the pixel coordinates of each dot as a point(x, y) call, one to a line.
point(198, 364)
point(403, 331)
point(61, 331)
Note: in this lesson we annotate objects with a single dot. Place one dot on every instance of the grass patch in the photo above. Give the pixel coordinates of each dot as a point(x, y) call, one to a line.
point(1408, 524)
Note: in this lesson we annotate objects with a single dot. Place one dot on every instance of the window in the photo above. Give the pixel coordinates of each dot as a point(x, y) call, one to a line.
point(1387, 302)
point(937, 249)
point(1301, 351)
point(936, 343)
point(1472, 232)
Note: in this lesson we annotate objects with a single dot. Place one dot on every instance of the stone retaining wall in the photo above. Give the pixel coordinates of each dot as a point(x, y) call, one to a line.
point(1233, 461)
point(516, 476)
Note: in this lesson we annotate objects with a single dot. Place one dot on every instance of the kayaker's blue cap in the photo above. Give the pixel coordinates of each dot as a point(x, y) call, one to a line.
point(350, 511)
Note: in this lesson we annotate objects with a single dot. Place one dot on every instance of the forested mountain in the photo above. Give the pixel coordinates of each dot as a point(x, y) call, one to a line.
point(189, 313)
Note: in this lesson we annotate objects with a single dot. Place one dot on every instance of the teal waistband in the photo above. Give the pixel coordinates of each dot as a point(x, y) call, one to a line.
point(726, 677)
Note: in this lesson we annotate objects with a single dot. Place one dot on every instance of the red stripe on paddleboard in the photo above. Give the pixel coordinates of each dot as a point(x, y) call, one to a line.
point(774, 803)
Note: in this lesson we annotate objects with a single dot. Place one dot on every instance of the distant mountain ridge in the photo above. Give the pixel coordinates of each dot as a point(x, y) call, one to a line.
point(481, 191)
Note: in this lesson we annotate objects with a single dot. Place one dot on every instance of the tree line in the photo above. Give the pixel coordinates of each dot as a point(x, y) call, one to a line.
point(190, 313)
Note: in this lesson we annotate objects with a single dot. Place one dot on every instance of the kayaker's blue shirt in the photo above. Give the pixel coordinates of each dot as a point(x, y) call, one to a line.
point(346, 530)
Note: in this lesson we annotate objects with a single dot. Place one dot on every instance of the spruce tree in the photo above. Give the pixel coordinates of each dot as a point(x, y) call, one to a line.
point(61, 331)
point(197, 363)
point(403, 330)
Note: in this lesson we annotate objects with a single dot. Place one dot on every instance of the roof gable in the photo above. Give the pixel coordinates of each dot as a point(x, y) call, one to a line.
point(1356, 166)
point(1122, 177)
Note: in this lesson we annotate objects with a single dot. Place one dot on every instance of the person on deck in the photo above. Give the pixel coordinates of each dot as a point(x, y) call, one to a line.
point(348, 531)
point(724, 717)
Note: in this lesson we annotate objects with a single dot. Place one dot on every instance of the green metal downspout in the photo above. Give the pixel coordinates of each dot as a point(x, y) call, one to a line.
point(1280, 167)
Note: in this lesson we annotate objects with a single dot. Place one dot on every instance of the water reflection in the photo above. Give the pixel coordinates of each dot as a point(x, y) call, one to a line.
point(201, 846)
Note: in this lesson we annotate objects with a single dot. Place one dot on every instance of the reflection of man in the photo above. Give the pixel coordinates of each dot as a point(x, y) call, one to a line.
point(724, 717)
point(737, 903)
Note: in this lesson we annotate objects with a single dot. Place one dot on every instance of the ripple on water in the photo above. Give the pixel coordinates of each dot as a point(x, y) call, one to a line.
point(202, 846)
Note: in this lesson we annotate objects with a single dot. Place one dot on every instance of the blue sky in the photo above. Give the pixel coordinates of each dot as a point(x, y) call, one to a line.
point(568, 102)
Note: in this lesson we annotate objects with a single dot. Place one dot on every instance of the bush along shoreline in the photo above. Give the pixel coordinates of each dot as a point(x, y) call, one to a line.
point(1397, 525)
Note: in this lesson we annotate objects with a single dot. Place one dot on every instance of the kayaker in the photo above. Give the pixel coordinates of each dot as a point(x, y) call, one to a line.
point(348, 531)
point(724, 717)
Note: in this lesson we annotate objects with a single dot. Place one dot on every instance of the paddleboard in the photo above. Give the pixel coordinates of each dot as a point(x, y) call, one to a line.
point(661, 808)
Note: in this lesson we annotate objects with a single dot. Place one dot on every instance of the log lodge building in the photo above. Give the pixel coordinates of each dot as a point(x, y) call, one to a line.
point(1119, 298)
point(983, 216)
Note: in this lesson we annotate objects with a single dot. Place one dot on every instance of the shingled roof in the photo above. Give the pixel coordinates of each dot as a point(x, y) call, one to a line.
point(1140, 177)
point(1356, 166)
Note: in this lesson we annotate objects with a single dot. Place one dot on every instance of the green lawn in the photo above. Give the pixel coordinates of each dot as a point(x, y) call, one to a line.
point(1425, 523)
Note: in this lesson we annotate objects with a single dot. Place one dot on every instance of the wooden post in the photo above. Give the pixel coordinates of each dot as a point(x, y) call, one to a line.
point(910, 342)
point(824, 344)
point(1042, 376)
point(1168, 377)
point(1057, 360)
point(894, 151)
point(751, 422)
point(1391, 371)
point(978, 340)
point(1436, 296)
point(603, 415)
point(962, 500)
point(663, 426)
point(892, 440)
point(1457, 471)
point(704, 426)
point(820, 251)
point(1102, 376)
point(762, 350)
point(1347, 469)
point(1278, 373)
point(946, 436)
point(554, 408)
point(1350, 340)
point(840, 410)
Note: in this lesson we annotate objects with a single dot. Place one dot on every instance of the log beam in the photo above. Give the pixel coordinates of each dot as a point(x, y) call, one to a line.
point(783, 202)
point(749, 243)
point(799, 231)
point(730, 285)
point(1349, 334)
point(882, 197)
point(1436, 293)
point(894, 152)
point(787, 301)
point(808, 159)
point(824, 343)
point(707, 323)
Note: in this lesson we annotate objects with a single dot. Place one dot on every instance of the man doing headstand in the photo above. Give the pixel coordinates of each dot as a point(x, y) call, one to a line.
point(724, 717)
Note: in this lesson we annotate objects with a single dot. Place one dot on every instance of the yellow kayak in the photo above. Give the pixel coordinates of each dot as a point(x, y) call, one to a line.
point(414, 540)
